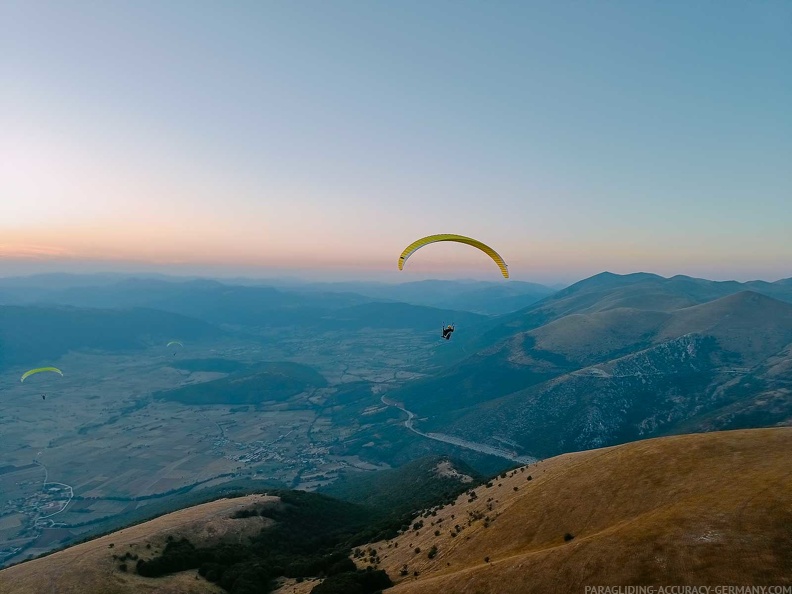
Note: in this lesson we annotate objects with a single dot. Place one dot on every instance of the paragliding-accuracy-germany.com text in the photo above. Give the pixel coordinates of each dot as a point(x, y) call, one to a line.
point(688, 590)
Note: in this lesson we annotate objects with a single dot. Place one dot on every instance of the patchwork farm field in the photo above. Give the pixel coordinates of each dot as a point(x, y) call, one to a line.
point(107, 441)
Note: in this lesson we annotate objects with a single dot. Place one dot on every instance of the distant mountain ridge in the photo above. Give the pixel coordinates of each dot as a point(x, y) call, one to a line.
point(114, 290)
point(474, 296)
point(238, 305)
point(30, 335)
point(640, 290)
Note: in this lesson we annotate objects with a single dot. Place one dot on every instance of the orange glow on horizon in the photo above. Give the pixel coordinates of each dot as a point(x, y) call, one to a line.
point(204, 243)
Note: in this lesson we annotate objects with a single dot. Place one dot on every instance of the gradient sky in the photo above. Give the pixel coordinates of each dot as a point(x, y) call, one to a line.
point(301, 137)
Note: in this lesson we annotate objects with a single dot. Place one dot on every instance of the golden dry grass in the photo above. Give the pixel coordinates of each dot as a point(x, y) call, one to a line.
point(704, 509)
point(89, 568)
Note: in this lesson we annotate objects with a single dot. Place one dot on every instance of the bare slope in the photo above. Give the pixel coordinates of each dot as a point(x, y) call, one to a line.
point(642, 291)
point(747, 323)
point(90, 568)
point(695, 509)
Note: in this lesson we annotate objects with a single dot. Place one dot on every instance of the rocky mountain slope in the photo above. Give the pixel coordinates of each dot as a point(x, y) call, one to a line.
point(610, 368)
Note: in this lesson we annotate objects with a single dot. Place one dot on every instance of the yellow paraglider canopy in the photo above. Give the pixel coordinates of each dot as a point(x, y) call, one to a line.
point(416, 245)
point(39, 370)
point(174, 342)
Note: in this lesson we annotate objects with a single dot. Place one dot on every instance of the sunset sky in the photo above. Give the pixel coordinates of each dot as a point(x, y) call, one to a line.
point(320, 138)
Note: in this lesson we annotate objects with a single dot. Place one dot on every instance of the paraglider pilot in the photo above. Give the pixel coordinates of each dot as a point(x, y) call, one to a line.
point(447, 331)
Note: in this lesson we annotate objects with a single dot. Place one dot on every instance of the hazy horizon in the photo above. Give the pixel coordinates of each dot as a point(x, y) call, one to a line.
point(320, 139)
point(335, 276)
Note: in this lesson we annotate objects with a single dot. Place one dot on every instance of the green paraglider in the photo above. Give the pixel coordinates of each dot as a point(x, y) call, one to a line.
point(39, 370)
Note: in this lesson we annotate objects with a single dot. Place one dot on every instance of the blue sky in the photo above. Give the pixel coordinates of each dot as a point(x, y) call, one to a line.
point(247, 137)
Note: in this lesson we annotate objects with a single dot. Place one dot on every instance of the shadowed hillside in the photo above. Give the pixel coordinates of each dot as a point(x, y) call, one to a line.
point(409, 487)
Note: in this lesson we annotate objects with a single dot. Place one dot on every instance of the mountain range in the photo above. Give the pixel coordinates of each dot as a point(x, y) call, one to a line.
point(617, 358)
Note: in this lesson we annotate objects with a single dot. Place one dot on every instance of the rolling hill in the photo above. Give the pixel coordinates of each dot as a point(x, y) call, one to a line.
point(641, 290)
point(94, 567)
point(697, 510)
point(701, 510)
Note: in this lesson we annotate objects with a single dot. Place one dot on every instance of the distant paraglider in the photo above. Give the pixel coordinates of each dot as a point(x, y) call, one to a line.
point(175, 343)
point(27, 374)
point(448, 330)
point(416, 245)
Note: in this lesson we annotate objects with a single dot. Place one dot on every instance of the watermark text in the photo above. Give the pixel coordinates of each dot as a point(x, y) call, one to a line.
point(688, 590)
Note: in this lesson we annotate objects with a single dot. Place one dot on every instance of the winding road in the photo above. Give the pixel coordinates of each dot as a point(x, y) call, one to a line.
point(458, 441)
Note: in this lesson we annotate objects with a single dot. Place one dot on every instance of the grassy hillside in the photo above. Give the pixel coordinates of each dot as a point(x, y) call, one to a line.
point(95, 567)
point(242, 545)
point(690, 510)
